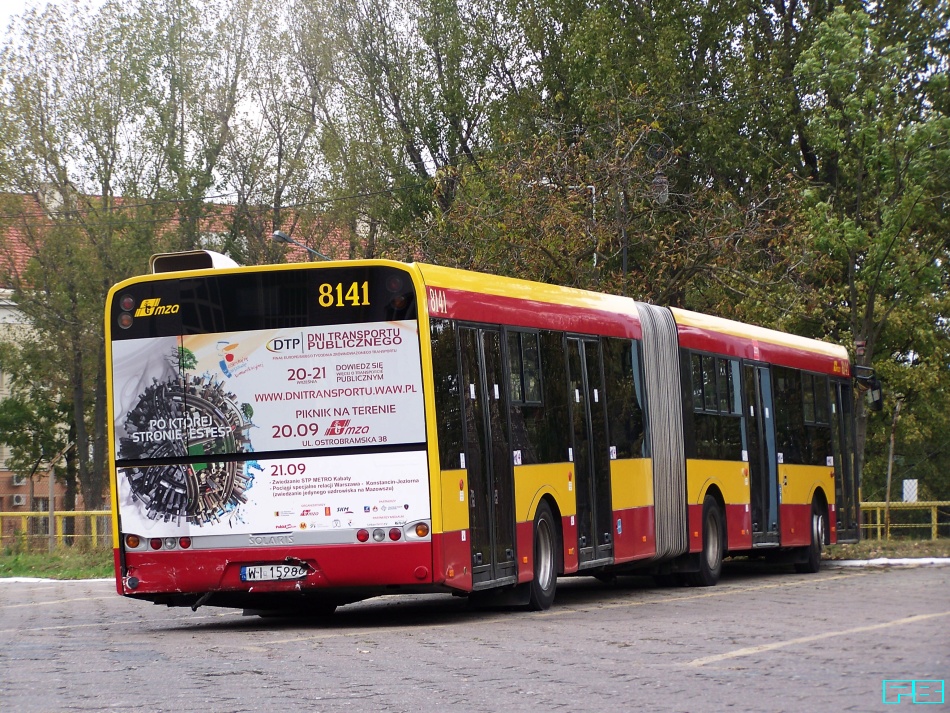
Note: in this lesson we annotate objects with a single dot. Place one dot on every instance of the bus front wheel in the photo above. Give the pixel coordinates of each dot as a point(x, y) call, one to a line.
point(544, 584)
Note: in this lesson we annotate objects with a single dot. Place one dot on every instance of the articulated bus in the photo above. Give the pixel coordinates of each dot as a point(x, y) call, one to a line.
point(298, 437)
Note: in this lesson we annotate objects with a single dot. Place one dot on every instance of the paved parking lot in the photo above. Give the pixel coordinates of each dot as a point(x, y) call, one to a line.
point(761, 640)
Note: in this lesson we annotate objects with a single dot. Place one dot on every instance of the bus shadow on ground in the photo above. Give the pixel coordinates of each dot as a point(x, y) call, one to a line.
point(426, 610)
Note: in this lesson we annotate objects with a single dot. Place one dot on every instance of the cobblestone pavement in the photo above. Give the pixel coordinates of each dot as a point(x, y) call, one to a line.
point(760, 641)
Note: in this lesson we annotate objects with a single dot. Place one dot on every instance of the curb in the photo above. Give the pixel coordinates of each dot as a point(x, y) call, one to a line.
point(886, 562)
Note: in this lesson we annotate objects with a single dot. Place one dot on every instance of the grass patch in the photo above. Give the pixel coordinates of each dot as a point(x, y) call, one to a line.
point(64, 563)
point(892, 549)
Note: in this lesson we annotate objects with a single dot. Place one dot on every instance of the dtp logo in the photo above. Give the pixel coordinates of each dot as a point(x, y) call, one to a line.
point(913, 691)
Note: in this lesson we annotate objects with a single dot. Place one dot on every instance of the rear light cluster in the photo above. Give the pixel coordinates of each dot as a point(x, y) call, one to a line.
point(126, 304)
point(134, 542)
point(418, 531)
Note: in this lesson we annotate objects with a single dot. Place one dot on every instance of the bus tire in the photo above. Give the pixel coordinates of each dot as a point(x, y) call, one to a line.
point(714, 545)
point(811, 562)
point(542, 587)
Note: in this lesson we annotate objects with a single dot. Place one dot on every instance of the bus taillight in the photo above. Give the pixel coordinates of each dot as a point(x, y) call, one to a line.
point(422, 529)
point(155, 543)
point(184, 542)
point(362, 535)
point(132, 541)
point(395, 533)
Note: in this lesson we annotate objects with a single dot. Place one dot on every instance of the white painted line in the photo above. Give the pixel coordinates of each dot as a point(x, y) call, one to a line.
point(751, 650)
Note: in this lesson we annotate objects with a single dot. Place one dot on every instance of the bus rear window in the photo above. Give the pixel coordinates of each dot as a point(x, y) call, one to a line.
point(272, 299)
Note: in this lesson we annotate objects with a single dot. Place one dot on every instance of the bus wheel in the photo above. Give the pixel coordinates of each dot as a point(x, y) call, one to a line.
point(812, 561)
point(544, 584)
point(714, 542)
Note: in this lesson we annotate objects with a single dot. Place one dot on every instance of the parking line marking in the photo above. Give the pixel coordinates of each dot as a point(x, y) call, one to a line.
point(751, 650)
point(55, 601)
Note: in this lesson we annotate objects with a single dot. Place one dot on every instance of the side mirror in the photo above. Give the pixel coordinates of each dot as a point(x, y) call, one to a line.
point(866, 380)
point(875, 394)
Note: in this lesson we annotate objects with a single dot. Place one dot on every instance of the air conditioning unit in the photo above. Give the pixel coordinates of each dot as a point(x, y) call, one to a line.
point(19, 500)
point(19, 480)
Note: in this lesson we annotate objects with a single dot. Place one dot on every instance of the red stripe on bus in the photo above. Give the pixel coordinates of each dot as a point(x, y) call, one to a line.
point(494, 309)
point(795, 523)
point(334, 566)
point(637, 537)
point(743, 348)
point(738, 527)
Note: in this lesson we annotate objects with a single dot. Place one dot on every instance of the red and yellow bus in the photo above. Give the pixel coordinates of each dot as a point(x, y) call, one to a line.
point(303, 436)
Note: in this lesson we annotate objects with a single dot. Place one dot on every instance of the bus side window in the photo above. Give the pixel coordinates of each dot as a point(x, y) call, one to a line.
point(790, 415)
point(817, 422)
point(448, 395)
point(716, 417)
point(539, 424)
point(527, 406)
point(624, 416)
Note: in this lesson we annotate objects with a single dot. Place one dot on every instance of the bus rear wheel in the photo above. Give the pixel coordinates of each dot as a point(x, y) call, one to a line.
point(714, 545)
point(812, 560)
point(543, 586)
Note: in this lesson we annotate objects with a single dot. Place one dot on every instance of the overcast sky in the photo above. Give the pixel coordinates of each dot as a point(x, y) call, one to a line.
point(10, 8)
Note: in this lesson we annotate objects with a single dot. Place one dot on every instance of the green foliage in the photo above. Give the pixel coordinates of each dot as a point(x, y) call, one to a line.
point(805, 145)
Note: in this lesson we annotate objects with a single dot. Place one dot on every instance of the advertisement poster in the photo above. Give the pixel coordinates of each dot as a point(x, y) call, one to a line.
point(260, 392)
point(303, 495)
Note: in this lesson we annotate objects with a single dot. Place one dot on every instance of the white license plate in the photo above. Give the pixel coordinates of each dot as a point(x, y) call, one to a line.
point(272, 572)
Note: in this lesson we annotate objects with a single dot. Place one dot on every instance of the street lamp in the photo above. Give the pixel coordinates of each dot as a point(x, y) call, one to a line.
point(659, 194)
point(281, 237)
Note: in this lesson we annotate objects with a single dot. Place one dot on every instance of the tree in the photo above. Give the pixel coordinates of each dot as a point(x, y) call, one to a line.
point(877, 207)
point(73, 104)
point(400, 93)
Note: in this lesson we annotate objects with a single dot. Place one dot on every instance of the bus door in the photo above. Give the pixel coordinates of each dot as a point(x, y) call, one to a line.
point(846, 485)
point(488, 456)
point(590, 451)
point(763, 467)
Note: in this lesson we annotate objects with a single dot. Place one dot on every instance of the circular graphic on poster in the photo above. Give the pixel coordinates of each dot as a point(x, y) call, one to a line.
point(195, 417)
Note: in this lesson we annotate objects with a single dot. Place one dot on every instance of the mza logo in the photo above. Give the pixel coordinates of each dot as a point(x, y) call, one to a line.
point(152, 307)
point(342, 427)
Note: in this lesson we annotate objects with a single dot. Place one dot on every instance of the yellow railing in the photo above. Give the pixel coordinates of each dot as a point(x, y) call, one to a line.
point(96, 525)
point(875, 524)
point(92, 525)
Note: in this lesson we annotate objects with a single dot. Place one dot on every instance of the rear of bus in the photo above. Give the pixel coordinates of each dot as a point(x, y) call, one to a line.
point(268, 435)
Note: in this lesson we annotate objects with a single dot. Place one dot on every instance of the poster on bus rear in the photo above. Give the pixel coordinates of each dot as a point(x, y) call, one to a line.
point(310, 496)
point(279, 391)
point(268, 390)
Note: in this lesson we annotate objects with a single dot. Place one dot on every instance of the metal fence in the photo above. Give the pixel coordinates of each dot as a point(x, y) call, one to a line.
point(31, 530)
point(93, 528)
point(926, 520)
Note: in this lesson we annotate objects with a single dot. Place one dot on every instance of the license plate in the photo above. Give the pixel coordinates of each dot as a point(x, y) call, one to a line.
point(272, 572)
